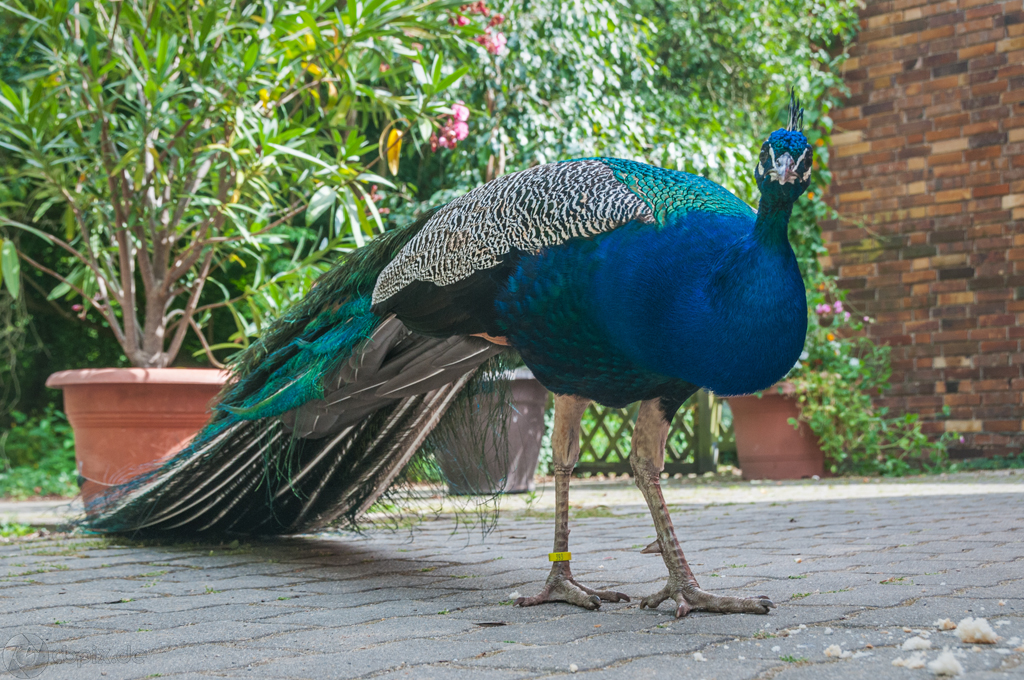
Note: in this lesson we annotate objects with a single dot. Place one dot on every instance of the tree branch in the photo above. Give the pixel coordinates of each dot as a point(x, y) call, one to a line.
point(206, 345)
point(190, 307)
point(105, 311)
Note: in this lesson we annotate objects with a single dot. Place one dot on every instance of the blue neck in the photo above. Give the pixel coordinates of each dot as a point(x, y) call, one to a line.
point(772, 226)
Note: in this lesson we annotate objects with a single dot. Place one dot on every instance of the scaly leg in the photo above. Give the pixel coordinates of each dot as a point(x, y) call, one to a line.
point(647, 458)
point(565, 445)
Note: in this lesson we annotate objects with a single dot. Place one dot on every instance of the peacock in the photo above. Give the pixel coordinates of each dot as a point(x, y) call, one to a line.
point(614, 281)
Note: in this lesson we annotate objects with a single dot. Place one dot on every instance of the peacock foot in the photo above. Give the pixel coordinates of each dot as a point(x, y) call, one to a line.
point(562, 587)
point(689, 597)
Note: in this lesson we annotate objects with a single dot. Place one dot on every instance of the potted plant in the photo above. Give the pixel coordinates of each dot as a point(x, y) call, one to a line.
point(166, 147)
point(768, 446)
point(822, 418)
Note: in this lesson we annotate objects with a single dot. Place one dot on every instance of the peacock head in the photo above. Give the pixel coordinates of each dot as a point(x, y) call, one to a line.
point(784, 166)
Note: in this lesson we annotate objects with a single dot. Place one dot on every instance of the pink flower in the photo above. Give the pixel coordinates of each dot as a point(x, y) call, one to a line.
point(823, 308)
point(76, 308)
point(497, 20)
point(453, 131)
point(459, 20)
point(846, 317)
point(867, 318)
point(838, 306)
point(384, 68)
point(460, 111)
point(479, 7)
point(494, 42)
point(962, 440)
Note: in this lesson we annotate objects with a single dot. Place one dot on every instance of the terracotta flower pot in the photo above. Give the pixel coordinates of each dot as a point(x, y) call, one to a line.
point(130, 420)
point(767, 446)
point(473, 463)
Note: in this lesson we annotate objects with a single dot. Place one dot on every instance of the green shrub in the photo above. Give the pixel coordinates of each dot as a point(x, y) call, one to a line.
point(38, 457)
point(836, 379)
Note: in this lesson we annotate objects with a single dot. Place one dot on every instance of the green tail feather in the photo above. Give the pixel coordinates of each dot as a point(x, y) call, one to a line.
point(284, 368)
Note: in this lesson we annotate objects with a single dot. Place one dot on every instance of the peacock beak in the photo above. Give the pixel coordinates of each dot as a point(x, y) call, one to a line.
point(785, 169)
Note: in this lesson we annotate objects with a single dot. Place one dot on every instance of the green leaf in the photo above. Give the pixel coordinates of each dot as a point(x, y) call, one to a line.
point(425, 129)
point(448, 81)
point(11, 267)
point(322, 200)
point(421, 75)
point(250, 55)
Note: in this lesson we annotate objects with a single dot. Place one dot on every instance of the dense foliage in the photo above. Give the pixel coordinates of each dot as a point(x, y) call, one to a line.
point(161, 146)
point(37, 456)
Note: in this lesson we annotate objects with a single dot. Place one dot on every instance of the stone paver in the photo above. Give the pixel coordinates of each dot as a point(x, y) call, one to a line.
point(850, 563)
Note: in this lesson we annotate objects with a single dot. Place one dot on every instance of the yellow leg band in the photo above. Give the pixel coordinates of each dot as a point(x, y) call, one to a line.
point(559, 557)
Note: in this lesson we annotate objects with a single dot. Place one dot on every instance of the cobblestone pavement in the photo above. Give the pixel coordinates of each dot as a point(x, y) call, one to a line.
point(864, 566)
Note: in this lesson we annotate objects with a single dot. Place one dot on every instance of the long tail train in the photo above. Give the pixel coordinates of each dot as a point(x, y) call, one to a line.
point(321, 416)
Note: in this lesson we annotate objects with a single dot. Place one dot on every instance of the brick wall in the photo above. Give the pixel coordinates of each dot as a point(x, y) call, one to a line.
point(929, 179)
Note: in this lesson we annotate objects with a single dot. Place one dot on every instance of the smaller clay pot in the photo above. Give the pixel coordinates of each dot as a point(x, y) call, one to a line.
point(767, 446)
point(129, 420)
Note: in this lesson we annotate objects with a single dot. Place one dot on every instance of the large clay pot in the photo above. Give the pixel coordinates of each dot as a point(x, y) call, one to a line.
point(767, 446)
point(474, 463)
point(129, 420)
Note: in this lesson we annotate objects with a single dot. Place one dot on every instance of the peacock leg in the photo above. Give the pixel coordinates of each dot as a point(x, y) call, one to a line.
point(565, 444)
point(647, 458)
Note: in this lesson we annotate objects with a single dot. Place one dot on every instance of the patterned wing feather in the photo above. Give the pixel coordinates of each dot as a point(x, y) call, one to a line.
point(527, 210)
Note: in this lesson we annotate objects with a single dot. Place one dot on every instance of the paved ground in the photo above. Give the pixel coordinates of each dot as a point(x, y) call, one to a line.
point(853, 564)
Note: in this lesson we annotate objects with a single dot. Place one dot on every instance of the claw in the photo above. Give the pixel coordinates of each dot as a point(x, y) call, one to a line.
point(562, 587)
point(689, 598)
point(653, 548)
point(607, 595)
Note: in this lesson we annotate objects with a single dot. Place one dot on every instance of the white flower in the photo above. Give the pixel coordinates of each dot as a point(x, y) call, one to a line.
point(804, 356)
point(855, 362)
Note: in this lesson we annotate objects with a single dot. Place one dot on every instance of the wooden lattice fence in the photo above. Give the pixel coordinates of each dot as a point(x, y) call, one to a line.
point(693, 442)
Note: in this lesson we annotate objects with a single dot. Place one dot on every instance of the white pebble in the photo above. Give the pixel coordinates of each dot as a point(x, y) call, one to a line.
point(859, 655)
point(1004, 622)
point(916, 643)
point(976, 630)
point(776, 648)
point(945, 624)
point(915, 660)
point(514, 595)
point(946, 664)
point(573, 668)
point(834, 651)
point(697, 656)
point(828, 631)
